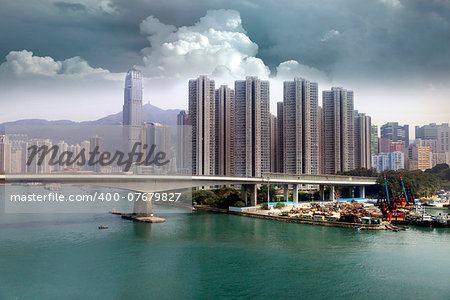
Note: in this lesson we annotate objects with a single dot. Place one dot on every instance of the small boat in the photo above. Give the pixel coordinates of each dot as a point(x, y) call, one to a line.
point(103, 227)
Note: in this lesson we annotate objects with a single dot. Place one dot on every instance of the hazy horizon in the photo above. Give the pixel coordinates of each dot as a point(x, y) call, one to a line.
point(67, 60)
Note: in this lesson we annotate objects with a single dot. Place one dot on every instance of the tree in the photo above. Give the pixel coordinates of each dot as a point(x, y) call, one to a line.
point(279, 205)
point(262, 193)
point(421, 183)
point(437, 169)
point(204, 197)
point(360, 172)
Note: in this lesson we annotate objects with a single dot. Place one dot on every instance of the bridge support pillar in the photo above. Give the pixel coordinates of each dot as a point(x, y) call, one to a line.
point(142, 208)
point(253, 194)
point(321, 192)
point(286, 192)
point(244, 193)
point(362, 191)
point(332, 191)
point(295, 194)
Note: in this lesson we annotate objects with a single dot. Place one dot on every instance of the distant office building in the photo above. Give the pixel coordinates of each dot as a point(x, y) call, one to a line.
point(202, 119)
point(300, 127)
point(224, 109)
point(427, 132)
point(363, 139)
point(438, 158)
point(374, 139)
point(34, 167)
point(86, 145)
point(5, 154)
point(338, 122)
point(75, 149)
point(397, 146)
point(423, 158)
point(395, 132)
point(384, 145)
point(381, 162)
point(19, 145)
point(95, 145)
point(397, 160)
point(252, 149)
point(62, 148)
point(184, 143)
point(157, 135)
point(279, 158)
point(443, 137)
point(321, 141)
point(388, 161)
point(273, 143)
point(432, 143)
point(132, 109)
point(418, 157)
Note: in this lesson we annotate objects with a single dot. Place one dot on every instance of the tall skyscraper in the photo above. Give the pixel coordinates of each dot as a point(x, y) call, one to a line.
point(86, 147)
point(5, 154)
point(252, 149)
point(95, 145)
point(388, 161)
point(157, 135)
point(300, 127)
point(202, 120)
point(321, 141)
point(35, 167)
point(19, 145)
point(443, 137)
point(184, 143)
point(374, 139)
point(363, 137)
point(395, 132)
point(273, 143)
point(338, 122)
point(132, 109)
point(279, 158)
point(427, 132)
point(224, 109)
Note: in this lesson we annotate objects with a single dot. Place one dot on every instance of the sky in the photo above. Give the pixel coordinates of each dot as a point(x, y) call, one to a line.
point(68, 59)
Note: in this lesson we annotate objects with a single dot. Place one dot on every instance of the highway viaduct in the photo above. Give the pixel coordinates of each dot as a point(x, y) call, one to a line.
point(158, 183)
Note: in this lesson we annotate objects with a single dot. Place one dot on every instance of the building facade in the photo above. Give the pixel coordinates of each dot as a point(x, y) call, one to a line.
point(395, 132)
point(363, 141)
point(338, 122)
point(374, 139)
point(184, 143)
point(202, 120)
point(252, 119)
point(300, 127)
point(224, 118)
point(279, 158)
point(132, 109)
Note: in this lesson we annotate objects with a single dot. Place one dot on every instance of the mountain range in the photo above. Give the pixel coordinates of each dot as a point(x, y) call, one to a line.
point(150, 113)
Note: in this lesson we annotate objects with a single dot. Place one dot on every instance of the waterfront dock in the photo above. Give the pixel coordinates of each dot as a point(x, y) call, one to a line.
point(260, 214)
point(132, 217)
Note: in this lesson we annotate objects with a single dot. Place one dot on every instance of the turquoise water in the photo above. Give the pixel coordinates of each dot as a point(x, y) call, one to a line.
point(208, 255)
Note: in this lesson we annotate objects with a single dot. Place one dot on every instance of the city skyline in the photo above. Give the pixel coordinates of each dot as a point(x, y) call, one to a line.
point(58, 82)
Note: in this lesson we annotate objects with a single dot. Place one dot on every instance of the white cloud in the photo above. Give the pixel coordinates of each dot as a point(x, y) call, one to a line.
point(393, 3)
point(289, 69)
point(329, 35)
point(20, 63)
point(216, 43)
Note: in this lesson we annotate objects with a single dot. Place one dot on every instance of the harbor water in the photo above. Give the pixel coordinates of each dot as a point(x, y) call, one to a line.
point(208, 255)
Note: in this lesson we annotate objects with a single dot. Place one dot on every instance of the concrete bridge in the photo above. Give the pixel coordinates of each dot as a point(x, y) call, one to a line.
point(159, 183)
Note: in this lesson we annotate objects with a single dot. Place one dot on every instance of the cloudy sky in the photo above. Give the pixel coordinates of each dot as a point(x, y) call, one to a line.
point(67, 59)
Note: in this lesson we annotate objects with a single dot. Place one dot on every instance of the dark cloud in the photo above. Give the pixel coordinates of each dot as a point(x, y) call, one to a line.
point(63, 6)
point(351, 39)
